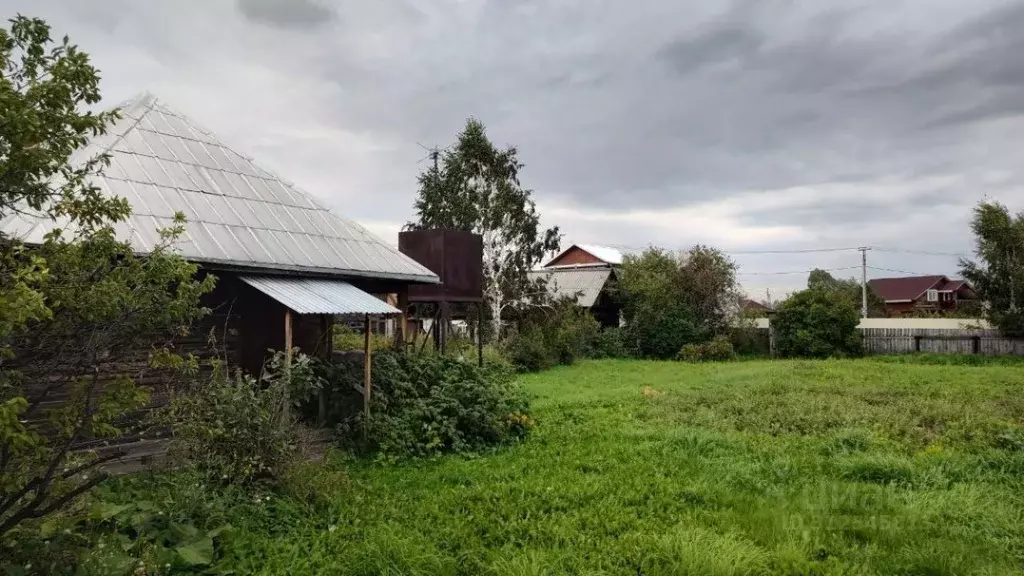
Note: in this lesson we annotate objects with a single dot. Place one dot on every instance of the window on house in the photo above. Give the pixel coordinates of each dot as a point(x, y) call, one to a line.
point(933, 295)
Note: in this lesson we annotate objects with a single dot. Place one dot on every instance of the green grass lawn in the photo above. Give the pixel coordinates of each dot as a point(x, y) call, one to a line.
point(796, 467)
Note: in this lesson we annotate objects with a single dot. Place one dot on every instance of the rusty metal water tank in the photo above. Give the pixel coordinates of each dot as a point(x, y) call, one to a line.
point(455, 256)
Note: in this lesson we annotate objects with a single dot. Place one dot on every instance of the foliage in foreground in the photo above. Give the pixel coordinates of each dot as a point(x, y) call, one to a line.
point(784, 467)
point(425, 404)
point(998, 273)
point(77, 309)
point(817, 323)
point(236, 428)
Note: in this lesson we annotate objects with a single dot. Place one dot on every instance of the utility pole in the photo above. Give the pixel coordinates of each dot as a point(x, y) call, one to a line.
point(863, 281)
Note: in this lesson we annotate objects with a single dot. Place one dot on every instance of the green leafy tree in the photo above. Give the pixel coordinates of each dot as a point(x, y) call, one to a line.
point(474, 186)
point(674, 299)
point(77, 307)
point(998, 273)
point(850, 288)
point(818, 323)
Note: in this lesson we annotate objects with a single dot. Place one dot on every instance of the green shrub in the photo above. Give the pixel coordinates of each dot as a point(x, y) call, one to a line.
point(238, 428)
point(817, 323)
point(610, 343)
point(750, 341)
point(575, 330)
point(528, 351)
point(717, 349)
point(691, 353)
point(559, 334)
point(660, 336)
point(426, 404)
point(671, 298)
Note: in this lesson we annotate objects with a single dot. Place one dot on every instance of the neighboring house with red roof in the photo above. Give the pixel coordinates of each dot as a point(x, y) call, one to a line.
point(586, 272)
point(589, 255)
point(755, 308)
point(937, 294)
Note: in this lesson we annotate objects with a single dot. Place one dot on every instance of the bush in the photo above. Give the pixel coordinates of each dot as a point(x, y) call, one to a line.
point(817, 323)
point(610, 343)
point(661, 336)
point(558, 335)
point(575, 330)
point(718, 349)
point(238, 428)
point(425, 404)
point(671, 299)
point(750, 341)
point(528, 351)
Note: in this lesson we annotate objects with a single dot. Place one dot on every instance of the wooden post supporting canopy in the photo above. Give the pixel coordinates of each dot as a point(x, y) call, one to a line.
point(327, 342)
point(444, 321)
point(366, 367)
point(480, 334)
point(403, 320)
point(287, 340)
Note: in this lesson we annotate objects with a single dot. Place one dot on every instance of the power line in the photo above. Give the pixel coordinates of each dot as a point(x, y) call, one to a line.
point(806, 251)
point(919, 252)
point(803, 250)
point(898, 271)
point(735, 252)
point(795, 271)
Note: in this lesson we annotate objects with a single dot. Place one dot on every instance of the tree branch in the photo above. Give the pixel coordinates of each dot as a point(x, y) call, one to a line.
point(36, 512)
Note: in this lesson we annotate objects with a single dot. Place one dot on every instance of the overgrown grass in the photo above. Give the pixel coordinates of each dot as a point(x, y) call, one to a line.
point(952, 359)
point(796, 467)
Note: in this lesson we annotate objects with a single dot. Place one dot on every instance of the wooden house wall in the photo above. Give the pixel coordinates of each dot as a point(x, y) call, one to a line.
point(243, 327)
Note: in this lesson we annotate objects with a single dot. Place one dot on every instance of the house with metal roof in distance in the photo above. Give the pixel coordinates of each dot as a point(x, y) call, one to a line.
point(286, 266)
point(586, 272)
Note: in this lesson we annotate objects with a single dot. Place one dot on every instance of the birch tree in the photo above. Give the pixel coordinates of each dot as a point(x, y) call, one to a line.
point(998, 271)
point(474, 186)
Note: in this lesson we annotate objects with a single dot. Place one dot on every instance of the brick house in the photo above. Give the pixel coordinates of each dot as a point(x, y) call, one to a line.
point(936, 294)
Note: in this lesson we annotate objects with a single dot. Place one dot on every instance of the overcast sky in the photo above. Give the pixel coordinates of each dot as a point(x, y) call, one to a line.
point(748, 125)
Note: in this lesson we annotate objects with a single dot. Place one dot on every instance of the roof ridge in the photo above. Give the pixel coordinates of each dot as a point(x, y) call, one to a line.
point(151, 100)
point(193, 125)
point(145, 100)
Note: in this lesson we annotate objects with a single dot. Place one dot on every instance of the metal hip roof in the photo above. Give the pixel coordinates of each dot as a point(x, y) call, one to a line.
point(237, 212)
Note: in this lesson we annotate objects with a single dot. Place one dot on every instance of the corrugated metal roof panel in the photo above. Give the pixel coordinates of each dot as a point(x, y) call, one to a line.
point(582, 283)
point(160, 159)
point(319, 296)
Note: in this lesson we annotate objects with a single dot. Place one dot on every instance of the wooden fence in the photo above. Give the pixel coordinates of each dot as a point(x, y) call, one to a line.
point(941, 341)
point(936, 335)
